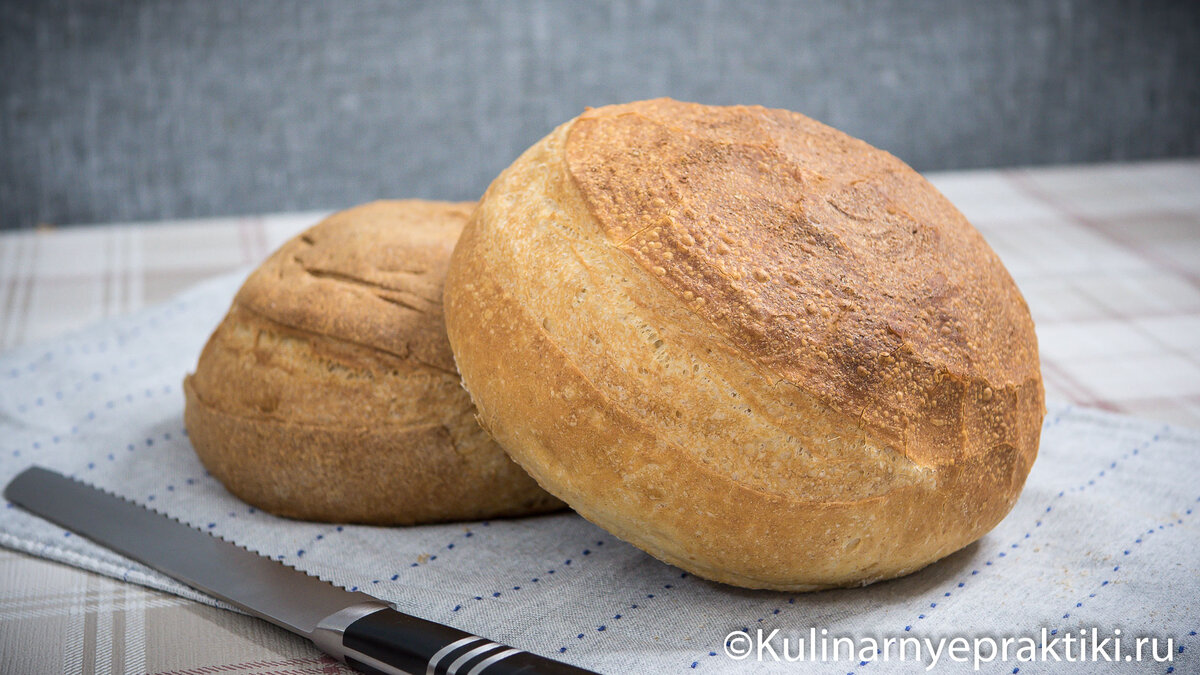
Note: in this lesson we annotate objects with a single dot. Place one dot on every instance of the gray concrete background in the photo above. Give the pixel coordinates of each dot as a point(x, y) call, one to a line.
point(143, 110)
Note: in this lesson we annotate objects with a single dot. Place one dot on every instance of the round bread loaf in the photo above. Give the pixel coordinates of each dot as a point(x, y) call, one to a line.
point(753, 346)
point(329, 392)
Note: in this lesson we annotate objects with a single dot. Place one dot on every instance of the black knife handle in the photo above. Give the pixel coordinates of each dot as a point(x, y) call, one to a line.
point(388, 641)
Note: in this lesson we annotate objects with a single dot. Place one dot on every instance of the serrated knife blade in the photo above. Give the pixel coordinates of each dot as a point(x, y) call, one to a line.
point(361, 630)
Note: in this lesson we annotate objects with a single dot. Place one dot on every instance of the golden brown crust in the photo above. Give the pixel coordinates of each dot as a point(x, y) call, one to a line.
point(668, 382)
point(329, 392)
point(831, 264)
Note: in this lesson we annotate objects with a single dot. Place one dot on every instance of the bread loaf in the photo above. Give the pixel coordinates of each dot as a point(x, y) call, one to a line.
point(329, 392)
point(755, 347)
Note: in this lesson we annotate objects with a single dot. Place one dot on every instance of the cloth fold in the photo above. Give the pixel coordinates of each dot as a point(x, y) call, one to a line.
point(1105, 535)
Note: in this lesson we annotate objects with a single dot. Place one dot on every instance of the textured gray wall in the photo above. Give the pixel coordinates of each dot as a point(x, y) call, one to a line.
point(136, 110)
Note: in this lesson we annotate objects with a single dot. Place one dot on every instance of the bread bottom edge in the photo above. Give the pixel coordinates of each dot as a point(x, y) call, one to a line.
point(361, 476)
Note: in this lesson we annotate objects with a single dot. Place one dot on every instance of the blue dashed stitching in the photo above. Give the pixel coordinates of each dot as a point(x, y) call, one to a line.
point(1001, 554)
point(96, 376)
point(632, 606)
point(537, 579)
point(118, 337)
point(418, 563)
point(1038, 523)
point(1117, 568)
point(91, 416)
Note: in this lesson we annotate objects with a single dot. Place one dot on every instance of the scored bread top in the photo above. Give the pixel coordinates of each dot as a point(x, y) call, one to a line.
point(368, 283)
point(832, 264)
point(342, 318)
point(329, 390)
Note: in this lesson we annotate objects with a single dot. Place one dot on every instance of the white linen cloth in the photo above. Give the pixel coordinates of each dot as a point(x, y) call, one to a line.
point(1105, 535)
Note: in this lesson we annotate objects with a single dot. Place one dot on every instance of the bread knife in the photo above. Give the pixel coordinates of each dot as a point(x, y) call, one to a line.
point(362, 631)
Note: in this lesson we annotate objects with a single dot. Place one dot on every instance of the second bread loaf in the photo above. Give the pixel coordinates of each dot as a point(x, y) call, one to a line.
point(329, 391)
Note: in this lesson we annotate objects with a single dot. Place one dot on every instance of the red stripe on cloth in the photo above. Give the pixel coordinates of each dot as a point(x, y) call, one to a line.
point(260, 233)
point(333, 668)
point(89, 278)
point(10, 296)
point(251, 665)
point(1143, 400)
point(1024, 183)
point(1080, 393)
point(246, 242)
point(107, 292)
point(22, 312)
point(1128, 320)
point(1158, 314)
